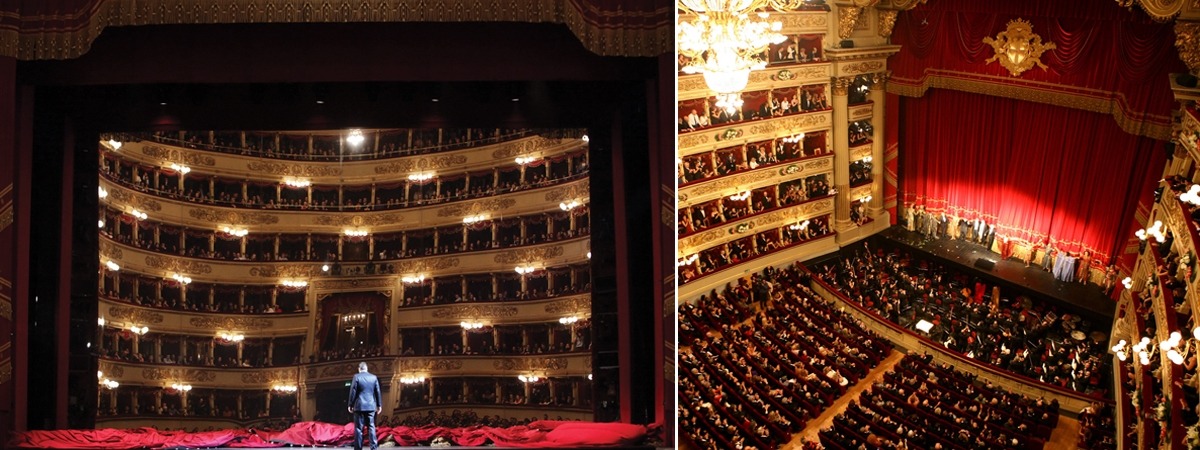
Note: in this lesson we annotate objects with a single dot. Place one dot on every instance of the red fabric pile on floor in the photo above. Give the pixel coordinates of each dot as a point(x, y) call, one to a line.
point(543, 433)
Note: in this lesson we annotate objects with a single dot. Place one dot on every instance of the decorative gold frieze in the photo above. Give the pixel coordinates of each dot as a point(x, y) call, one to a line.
point(529, 254)
point(723, 184)
point(857, 113)
point(692, 140)
point(294, 170)
point(1017, 48)
point(334, 285)
point(359, 220)
point(573, 192)
point(860, 152)
point(533, 364)
point(111, 370)
point(430, 365)
point(135, 201)
point(841, 85)
point(790, 124)
point(111, 250)
point(194, 375)
point(860, 67)
point(523, 147)
point(804, 21)
point(693, 83)
point(477, 207)
point(178, 155)
point(233, 217)
point(907, 4)
point(573, 305)
point(887, 21)
point(177, 265)
point(421, 265)
point(347, 369)
point(421, 164)
point(134, 315)
point(269, 376)
point(820, 72)
point(475, 312)
point(231, 323)
point(285, 270)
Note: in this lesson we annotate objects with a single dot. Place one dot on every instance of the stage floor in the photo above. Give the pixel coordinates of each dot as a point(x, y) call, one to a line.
point(1087, 300)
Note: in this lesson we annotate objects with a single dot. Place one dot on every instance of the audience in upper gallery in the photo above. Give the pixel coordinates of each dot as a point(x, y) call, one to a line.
point(921, 405)
point(262, 195)
point(718, 258)
point(763, 357)
point(1033, 340)
point(392, 143)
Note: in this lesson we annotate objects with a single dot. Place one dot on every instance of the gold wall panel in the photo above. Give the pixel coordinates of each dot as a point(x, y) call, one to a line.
point(749, 226)
point(784, 75)
point(535, 311)
point(202, 324)
point(754, 179)
point(753, 131)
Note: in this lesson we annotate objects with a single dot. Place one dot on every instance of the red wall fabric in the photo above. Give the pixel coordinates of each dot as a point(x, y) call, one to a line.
point(1036, 171)
point(1103, 50)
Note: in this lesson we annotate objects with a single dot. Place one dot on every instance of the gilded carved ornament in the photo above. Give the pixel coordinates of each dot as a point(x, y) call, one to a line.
point(1187, 41)
point(847, 18)
point(1017, 48)
point(887, 21)
point(1159, 10)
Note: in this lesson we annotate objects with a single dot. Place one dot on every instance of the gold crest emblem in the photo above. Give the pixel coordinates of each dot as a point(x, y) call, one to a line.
point(1017, 48)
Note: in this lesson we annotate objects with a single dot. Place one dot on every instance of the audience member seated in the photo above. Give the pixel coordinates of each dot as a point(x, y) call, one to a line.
point(763, 357)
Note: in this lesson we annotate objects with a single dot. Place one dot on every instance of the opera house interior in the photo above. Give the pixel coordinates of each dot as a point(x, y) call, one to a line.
point(212, 212)
point(938, 224)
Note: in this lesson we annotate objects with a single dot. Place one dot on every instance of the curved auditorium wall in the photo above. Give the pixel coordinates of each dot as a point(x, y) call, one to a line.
point(245, 274)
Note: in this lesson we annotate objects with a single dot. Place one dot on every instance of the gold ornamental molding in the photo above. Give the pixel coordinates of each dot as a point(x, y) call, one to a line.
point(1017, 48)
point(133, 315)
point(804, 22)
point(196, 375)
point(134, 200)
point(860, 112)
point(270, 376)
point(860, 152)
point(285, 270)
point(790, 124)
point(572, 192)
point(292, 169)
point(340, 370)
point(426, 264)
point(478, 207)
point(231, 323)
point(847, 18)
point(1095, 100)
point(176, 155)
point(1160, 10)
point(753, 180)
point(524, 147)
point(649, 33)
point(861, 67)
point(355, 284)
point(232, 217)
point(109, 250)
point(372, 220)
point(575, 305)
point(177, 265)
point(111, 370)
point(529, 254)
point(534, 364)
point(421, 164)
point(861, 191)
point(430, 365)
point(475, 312)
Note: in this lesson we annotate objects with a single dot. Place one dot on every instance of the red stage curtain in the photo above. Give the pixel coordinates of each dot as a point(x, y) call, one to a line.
point(1103, 51)
point(542, 433)
point(1036, 171)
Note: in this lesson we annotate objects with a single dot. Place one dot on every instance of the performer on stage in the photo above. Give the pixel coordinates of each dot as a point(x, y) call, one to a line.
point(1048, 258)
point(908, 217)
point(364, 403)
point(1084, 269)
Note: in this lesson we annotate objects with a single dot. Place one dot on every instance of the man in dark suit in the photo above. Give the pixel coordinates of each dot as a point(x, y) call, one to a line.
point(364, 403)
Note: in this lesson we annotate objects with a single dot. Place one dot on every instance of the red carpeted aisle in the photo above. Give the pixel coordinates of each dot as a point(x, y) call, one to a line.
point(543, 433)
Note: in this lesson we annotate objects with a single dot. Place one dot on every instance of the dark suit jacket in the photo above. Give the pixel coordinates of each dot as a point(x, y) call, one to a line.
point(364, 392)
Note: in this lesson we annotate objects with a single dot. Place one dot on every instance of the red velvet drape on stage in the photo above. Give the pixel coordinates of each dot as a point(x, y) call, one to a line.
point(1035, 171)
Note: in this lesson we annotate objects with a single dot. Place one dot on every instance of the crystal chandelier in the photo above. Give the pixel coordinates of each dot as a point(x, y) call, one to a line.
point(726, 41)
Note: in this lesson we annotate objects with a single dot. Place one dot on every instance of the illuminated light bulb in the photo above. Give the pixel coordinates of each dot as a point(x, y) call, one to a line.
point(297, 183)
point(115, 144)
point(103, 192)
point(181, 168)
point(355, 138)
point(568, 320)
point(421, 176)
point(412, 279)
point(567, 206)
point(294, 283)
point(112, 266)
point(325, 267)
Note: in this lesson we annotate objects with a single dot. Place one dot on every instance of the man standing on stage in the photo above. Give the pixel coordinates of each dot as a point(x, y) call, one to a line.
point(365, 402)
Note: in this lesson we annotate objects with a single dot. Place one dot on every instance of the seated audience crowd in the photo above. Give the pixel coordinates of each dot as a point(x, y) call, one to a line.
point(719, 257)
point(392, 143)
point(921, 405)
point(1028, 338)
point(765, 356)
